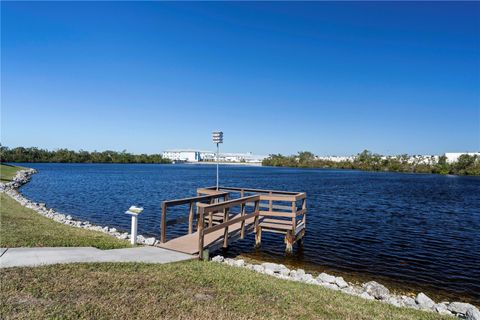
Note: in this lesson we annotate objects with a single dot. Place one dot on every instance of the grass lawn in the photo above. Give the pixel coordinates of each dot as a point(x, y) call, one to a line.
point(22, 227)
point(147, 291)
point(7, 172)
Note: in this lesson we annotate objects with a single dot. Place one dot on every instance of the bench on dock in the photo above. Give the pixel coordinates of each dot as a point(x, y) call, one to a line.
point(227, 213)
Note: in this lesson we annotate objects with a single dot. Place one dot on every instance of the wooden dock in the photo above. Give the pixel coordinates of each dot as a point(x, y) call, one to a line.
point(226, 214)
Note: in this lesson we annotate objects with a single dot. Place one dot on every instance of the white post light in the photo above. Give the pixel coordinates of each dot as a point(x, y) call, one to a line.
point(134, 212)
point(217, 138)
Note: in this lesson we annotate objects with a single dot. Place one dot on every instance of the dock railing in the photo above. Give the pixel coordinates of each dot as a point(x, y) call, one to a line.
point(192, 202)
point(226, 206)
point(281, 211)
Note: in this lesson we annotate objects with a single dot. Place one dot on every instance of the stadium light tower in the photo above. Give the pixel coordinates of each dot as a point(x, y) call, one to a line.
point(217, 138)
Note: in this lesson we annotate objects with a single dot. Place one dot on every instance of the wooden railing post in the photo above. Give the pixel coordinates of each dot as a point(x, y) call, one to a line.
point(225, 233)
point(270, 203)
point(190, 217)
point(242, 213)
point(304, 208)
point(294, 215)
point(258, 230)
point(200, 233)
point(163, 224)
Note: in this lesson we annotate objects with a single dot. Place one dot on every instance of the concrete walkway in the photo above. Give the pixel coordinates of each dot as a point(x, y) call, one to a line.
point(30, 257)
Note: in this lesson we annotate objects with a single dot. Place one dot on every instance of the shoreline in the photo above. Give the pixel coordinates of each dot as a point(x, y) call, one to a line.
point(23, 176)
point(369, 290)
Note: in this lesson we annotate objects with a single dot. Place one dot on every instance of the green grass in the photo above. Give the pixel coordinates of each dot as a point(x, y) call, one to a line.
point(7, 172)
point(147, 291)
point(22, 227)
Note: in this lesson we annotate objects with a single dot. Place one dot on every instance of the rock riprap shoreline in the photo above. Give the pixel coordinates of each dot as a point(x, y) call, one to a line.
point(370, 290)
point(23, 176)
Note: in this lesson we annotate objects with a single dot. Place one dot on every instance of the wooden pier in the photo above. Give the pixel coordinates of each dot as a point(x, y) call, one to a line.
point(217, 217)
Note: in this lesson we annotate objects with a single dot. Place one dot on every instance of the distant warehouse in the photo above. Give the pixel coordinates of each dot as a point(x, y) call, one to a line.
point(188, 155)
point(453, 156)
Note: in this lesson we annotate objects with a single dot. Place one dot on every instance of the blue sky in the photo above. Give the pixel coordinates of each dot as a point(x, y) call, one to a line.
point(332, 78)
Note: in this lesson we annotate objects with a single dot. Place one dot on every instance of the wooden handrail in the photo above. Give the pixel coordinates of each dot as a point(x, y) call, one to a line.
point(225, 206)
point(229, 203)
point(229, 223)
point(251, 190)
point(177, 202)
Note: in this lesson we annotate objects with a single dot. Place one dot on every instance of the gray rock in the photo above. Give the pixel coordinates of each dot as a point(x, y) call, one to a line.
point(473, 314)
point(249, 266)
point(229, 261)
point(365, 295)
point(459, 307)
point(239, 263)
point(441, 308)
point(424, 302)
point(376, 290)
point(307, 277)
point(330, 286)
point(217, 259)
point(258, 268)
point(341, 283)
point(112, 230)
point(356, 291)
point(323, 277)
point(150, 241)
point(285, 272)
point(69, 217)
point(272, 266)
point(394, 301)
point(270, 272)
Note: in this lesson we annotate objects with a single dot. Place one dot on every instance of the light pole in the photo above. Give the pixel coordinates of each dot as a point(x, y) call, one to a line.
point(217, 138)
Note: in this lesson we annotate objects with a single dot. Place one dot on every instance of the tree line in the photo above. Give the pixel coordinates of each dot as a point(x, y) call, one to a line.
point(33, 154)
point(366, 160)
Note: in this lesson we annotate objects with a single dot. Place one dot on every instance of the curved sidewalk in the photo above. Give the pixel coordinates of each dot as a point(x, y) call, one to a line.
point(31, 257)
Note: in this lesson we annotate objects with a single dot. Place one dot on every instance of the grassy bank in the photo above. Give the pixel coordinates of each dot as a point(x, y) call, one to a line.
point(187, 290)
point(23, 227)
point(7, 172)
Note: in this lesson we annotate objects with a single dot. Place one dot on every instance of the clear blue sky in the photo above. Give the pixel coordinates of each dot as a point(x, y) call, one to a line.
point(331, 78)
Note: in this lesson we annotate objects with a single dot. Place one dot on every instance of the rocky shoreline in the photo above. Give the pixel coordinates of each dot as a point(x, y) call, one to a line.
point(370, 290)
point(23, 176)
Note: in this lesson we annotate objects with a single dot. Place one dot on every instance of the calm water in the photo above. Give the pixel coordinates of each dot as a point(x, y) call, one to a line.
point(412, 231)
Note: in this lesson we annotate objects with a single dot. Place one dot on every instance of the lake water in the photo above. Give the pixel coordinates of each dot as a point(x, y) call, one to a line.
point(413, 232)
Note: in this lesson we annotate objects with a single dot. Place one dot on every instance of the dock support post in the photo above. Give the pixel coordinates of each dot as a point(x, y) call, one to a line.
point(258, 237)
point(289, 239)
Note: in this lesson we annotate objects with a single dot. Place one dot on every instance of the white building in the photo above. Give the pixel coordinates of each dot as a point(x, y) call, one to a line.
point(335, 158)
point(453, 156)
point(188, 155)
point(183, 155)
point(241, 157)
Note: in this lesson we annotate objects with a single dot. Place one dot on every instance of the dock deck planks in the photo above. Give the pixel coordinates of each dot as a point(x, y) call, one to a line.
point(189, 243)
